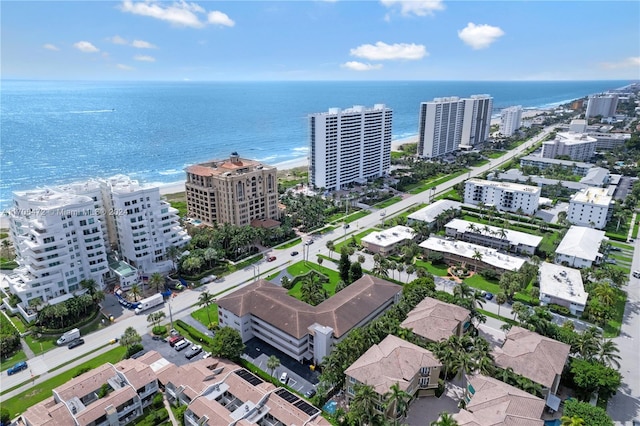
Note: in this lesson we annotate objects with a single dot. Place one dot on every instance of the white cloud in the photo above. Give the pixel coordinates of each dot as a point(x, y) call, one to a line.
point(630, 62)
point(382, 51)
point(50, 46)
point(180, 13)
point(359, 66)
point(219, 18)
point(125, 67)
point(414, 7)
point(479, 36)
point(141, 44)
point(144, 58)
point(86, 47)
point(116, 39)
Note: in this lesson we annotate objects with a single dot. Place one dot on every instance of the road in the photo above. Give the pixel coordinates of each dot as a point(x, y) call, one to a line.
point(183, 305)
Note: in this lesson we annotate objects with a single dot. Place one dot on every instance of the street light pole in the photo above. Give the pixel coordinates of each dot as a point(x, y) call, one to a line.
point(170, 313)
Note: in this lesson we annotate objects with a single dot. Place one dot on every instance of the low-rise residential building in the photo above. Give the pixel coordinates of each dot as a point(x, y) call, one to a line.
point(387, 241)
point(576, 146)
point(580, 247)
point(590, 207)
point(434, 320)
point(562, 286)
point(597, 177)
point(536, 357)
point(430, 213)
point(492, 236)
point(394, 361)
point(609, 141)
point(490, 402)
point(113, 395)
point(304, 332)
point(504, 196)
point(542, 163)
point(457, 252)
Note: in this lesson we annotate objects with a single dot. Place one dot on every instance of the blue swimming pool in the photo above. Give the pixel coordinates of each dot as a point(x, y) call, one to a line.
point(555, 422)
point(330, 407)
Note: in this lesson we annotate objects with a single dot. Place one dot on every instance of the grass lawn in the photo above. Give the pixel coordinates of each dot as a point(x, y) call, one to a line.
point(612, 329)
point(18, 323)
point(245, 263)
point(41, 345)
point(386, 203)
point(439, 270)
point(359, 237)
point(481, 283)
point(289, 244)
point(203, 318)
point(480, 163)
point(17, 357)
point(421, 187)
point(19, 403)
point(301, 268)
point(355, 216)
point(622, 245)
point(495, 154)
point(451, 194)
point(636, 227)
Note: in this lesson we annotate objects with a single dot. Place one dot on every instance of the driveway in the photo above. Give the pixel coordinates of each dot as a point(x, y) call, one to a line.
point(425, 410)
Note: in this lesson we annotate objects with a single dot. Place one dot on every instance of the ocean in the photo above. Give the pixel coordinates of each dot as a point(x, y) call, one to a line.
point(59, 132)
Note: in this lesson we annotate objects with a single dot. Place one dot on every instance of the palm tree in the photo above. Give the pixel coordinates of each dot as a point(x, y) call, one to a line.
point(130, 338)
point(445, 419)
point(477, 256)
point(501, 299)
point(472, 228)
point(173, 253)
point(381, 268)
point(363, 405)
point(398, 400)
point(571, 421)
point(272, 363)
point(608, 353)
point(135, 292)
point(89, 285)
point(156, 280)
point(206, 299)
point(331, 247)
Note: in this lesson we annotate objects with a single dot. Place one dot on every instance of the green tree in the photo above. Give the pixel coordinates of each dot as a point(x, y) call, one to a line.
point(135, 292)
point(157, 281)
point(591, 377)
point(206, 299)
point(130, 338)
point(227, 343)
point(331, 247)
point(155, 318)
point(312, 291)
point(593, 416)
point(571, 421)
point(501, 299)
point(173, 253)
point(397, 401)
point(355, 272)
point(5, 416)
point(344, 265)
point(272, 363)
point(608, 353)
point(445, 419)
point(362, 410)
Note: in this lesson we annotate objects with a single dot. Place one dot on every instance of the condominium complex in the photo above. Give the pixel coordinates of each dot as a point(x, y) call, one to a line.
point(505, 196)
point(590, 207)
point(562, 286)
point(387, 241)
point(604, 139)
point(446, 124)
point(575, 146)
point(576, 167)
point(350, 145)
point(492, 236)
point(233, 190)
point(580, 247)
point(604, 105)
point(62, 236)
point(510, 120)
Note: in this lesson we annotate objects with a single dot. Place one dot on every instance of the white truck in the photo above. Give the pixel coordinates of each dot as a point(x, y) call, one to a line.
point(67, 337)
point(149, 303)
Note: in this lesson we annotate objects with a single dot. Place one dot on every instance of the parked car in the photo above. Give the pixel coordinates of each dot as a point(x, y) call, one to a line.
point(22, 365)
point(173, 340)
point(310, 393)
point(182, 344)
point(488, 296)
point(611, 261)
point(75, 343)
point(309, 242)
point(271, 258)
point(193, 351)
point(636, 274)
point(614, 248)
point(284, 378)
point(294, 253)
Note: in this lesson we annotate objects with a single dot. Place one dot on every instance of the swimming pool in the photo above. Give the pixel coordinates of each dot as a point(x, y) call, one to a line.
point(330, 407)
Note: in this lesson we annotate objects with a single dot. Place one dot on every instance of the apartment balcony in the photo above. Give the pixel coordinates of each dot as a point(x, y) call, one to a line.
point(190, 419)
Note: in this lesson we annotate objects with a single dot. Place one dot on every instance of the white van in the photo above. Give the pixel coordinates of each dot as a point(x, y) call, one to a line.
point(182, 344)
point(68, 337)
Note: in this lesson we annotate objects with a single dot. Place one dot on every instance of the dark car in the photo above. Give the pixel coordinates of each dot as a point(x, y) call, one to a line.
point(22, 365)
point(310, 393)
point(271, 258)
point(75, 343)
point(488, 296)
point(294, 253)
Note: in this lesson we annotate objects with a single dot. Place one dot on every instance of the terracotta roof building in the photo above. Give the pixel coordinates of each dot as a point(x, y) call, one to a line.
point(234, 190)
point(491, 402)
point(533, 356)
point(434, 320)
point(304, 332)
point(394, 360)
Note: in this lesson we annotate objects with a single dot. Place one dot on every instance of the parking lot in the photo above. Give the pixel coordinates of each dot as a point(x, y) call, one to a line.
point(168, 352)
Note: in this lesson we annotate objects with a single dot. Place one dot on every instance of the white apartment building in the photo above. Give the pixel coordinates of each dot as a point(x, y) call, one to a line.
point(590, 207)
point(580, 247)
point(610, 140)
point(576, 146)
point(62, 236)
point(492, 236)
point(350, 145)
point(446, 124)
point(562, 286)
point(603, 104)
point(141, 225)
point(505, 196)
point(578, 126)
point(510, 120)
point(59, 242)
point(576, 167)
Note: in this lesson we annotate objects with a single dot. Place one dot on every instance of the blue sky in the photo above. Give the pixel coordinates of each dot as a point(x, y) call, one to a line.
point(321, 40)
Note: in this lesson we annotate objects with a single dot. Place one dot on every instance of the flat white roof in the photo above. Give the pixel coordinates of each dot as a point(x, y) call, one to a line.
point(554, 161)
point(505, 185)
point(389, 236)
point(428, 214)
point(514, 237)
point(572, 138)
point(489, 255)
point(581, 242)
point(595, 196)
point(563, 283)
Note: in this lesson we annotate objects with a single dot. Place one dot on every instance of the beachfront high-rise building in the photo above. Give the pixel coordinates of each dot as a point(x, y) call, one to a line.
point(510, 120)
point(233, 190)
point(575, 146)
point(62, 236)
point(505, 196)
point(604, 105)
point(349, 145)
point(448, 124)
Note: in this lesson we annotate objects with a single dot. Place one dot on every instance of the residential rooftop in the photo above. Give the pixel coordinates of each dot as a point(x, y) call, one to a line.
point(435, 320)
point(432, 211)
point(532, 355)
point(563, 283)
point(573, 138)
point(490, 256)
point(505, 185)
point(514, 237)
point(234, 165)
point(389, 237)
point(596, 196)
point(581, 242)
point(566, 163)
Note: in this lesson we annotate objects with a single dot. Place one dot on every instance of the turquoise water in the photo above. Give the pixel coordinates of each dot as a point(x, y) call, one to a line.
point(58, 132)
point(330, 407)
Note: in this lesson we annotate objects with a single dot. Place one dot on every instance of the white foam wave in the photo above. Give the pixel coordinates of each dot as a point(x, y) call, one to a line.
point(171, 172)
point(96, 111)
point(301, 149)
